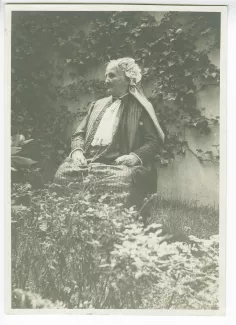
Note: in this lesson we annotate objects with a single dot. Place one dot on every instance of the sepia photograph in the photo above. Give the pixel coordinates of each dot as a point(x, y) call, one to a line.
point(117, 148)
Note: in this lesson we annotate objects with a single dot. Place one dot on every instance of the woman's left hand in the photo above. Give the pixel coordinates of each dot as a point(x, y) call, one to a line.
point(128, 160)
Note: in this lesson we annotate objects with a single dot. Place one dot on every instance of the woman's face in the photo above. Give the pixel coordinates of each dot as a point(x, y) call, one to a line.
point(116, 82)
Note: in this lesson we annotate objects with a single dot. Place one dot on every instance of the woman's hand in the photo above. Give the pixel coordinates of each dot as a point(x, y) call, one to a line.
point(79, 157)
point(128, 160)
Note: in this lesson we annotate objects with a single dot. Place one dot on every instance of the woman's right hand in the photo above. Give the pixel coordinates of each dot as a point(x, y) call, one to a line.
point(79, 157)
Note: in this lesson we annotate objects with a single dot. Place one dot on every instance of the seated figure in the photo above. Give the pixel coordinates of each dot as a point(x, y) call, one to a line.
point(114, 147)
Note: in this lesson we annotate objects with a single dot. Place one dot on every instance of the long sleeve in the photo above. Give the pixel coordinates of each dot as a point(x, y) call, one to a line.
point(150, 140)
point(77, 139)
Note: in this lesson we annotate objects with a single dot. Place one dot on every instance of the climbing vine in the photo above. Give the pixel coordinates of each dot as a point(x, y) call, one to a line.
point(46, 44)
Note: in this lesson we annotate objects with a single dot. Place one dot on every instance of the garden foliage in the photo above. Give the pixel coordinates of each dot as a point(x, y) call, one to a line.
point(88, 251)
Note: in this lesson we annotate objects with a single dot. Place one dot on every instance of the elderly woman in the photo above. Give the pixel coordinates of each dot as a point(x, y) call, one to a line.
point(114, 147)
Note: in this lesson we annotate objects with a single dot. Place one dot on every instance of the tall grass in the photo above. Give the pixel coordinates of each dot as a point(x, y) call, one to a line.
point(185, 218)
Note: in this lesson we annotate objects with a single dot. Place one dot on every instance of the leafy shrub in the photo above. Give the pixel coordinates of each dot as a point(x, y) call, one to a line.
point(26, 299)
point(24, 168)
point(17, 142)
point(89, 251)
point(176, 275)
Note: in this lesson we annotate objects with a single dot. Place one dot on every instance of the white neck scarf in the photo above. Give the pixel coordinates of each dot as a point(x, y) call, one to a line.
point(106, 128)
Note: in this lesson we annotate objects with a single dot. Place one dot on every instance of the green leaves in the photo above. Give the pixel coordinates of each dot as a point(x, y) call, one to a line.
point(26, 141)
point(179, 31)
point(43, 226)
point(82, 259)
point(209, 155)
point(27, 299)
point(17, 139)
point(15, 150)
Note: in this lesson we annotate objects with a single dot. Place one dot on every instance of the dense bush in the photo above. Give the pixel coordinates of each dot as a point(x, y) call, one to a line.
point(88, 251)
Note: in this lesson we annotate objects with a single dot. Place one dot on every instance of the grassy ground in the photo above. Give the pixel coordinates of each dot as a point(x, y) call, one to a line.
point(184, 219)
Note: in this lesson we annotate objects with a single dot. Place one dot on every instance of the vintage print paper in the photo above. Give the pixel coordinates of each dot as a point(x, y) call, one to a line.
point(116, 144)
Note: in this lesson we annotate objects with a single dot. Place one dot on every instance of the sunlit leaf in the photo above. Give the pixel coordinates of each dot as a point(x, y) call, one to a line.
point(22, 161)
point(15, 150)
point(27, 141)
